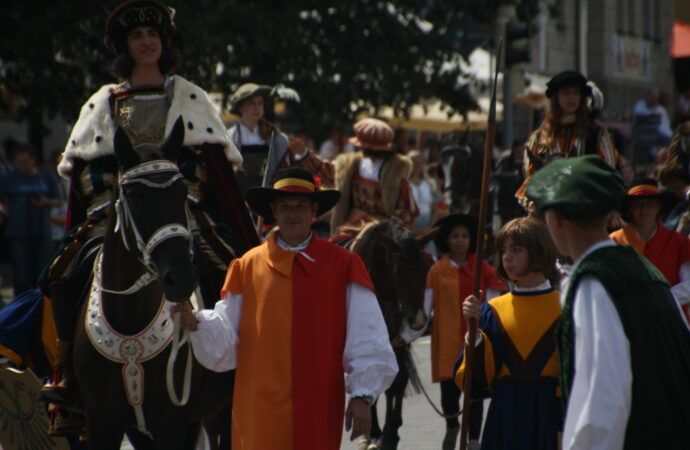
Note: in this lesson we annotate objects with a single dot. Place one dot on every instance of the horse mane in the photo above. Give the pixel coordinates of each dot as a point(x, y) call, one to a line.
point(389, 239)
point(385, 230)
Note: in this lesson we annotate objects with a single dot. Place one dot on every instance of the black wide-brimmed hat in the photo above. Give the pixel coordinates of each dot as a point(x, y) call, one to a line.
point(292, 181)
point(642, 188)
point(567, 78)
point(247, 90)
point(446, 225)
point(138, 13)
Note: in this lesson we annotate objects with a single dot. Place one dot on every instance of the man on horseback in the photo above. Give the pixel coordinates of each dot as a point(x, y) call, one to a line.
point(374, 180)
point(146, 104)
point(296, 312)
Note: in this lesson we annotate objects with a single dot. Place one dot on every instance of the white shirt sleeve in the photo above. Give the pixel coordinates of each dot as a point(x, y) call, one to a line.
point(215, 340)
point(368, 358)
point(681, 291)
point(408, 333)
point(601, 394)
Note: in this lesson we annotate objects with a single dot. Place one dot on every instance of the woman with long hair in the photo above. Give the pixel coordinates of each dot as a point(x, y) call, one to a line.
point(568, 129)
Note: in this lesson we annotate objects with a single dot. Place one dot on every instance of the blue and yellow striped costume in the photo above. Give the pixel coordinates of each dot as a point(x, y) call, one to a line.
point(516, 365)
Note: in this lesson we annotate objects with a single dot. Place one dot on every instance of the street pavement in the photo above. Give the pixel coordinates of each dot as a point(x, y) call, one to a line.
point(422, 428)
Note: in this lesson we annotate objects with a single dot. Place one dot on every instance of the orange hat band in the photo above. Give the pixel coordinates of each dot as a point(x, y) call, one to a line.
point(644, 189)
point(294, 185)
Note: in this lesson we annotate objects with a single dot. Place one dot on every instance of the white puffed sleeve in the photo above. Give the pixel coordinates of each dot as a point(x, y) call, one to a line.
point(215, 340)
point(368, 358)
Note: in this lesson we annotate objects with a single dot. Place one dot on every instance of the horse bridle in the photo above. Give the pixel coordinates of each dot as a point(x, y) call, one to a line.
point(125, 219)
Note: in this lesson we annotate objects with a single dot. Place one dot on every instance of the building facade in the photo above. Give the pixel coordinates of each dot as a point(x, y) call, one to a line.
point(622, 45)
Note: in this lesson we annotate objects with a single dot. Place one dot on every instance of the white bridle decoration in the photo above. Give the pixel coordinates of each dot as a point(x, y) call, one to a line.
point(131, 351)
point(126, 220)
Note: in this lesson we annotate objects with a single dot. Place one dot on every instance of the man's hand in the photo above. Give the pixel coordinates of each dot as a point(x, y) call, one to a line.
point(471, 308)
point(187, 318)
point(357, 418)
point(297, 146)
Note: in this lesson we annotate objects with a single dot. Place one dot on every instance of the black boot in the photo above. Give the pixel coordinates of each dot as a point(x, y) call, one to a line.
point(451, 437)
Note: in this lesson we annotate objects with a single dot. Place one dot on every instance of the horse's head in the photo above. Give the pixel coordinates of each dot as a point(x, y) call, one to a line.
point(151, 211)
point(398, 266)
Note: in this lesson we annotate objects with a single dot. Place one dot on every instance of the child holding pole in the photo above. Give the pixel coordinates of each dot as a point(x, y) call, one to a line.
point(515, 357)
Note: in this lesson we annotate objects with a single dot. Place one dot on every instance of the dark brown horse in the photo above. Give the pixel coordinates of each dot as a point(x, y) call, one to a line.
point(397, 265)
point(146, 264)
point(461, 162)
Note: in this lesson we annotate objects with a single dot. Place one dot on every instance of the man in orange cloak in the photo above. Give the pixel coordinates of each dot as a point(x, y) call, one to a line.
point(295, 314)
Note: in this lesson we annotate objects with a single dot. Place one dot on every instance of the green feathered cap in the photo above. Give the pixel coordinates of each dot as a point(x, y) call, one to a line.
point(577, 188)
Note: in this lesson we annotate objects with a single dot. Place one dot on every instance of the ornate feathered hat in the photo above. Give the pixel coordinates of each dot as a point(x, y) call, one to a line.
point(372, 134)
point(249, 90)
point(567, 78)
point(138, 13)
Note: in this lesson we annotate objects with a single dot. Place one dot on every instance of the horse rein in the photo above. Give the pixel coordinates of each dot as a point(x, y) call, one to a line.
point(133, 350)
point(125, 220)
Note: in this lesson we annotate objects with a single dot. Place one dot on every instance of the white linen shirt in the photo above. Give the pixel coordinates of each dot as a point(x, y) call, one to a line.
point(368, 358)
point(601, 394)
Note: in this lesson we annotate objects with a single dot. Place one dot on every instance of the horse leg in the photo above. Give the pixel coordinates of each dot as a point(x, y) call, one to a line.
point(390, 438)
point(394, 399)
point(138, 440)
point(218, 428)
point(103, 432)
point(182, 436)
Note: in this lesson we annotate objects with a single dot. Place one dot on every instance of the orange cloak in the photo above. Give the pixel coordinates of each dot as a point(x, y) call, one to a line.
point(289, 386)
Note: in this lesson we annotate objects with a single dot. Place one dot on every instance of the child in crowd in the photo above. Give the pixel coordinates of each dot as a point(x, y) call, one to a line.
point(516, 360)
point(450, 280)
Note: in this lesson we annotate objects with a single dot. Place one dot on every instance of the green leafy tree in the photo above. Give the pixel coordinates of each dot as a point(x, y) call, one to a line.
point(343, 57)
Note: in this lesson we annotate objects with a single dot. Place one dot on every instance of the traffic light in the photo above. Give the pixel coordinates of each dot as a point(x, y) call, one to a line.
point(517, 43)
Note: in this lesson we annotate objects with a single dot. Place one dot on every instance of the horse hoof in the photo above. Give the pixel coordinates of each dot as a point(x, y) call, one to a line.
point(388, 443)
point(363, 443)
point(451, 438)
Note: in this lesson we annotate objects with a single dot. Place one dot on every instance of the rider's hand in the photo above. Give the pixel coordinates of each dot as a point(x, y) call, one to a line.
point(398, 342)
point(357, 417)
point(297, 146)
point(471, 308)
point(188, 319)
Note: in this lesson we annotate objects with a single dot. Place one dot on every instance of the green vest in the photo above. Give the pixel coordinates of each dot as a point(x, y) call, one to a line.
point(659, 345)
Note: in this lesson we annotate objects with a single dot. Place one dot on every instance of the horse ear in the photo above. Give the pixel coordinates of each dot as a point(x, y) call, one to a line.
point(387, 239)
point(124, 153)
point(175, 140)
point(465, 135)
point(427, 237)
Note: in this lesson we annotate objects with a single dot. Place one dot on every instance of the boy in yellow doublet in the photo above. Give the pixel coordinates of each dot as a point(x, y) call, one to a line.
point(516, 360)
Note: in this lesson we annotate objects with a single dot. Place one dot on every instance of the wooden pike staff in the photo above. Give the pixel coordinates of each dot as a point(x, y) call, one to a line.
point(483, 206)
